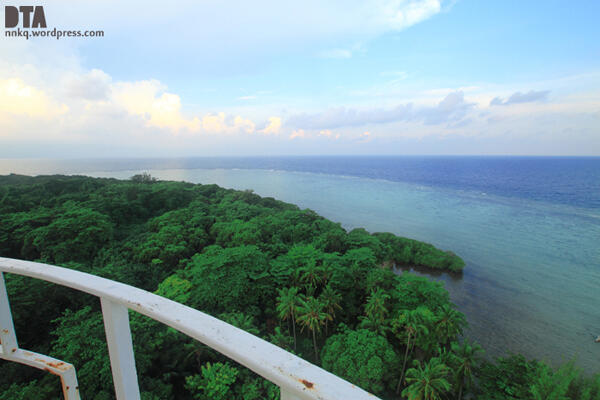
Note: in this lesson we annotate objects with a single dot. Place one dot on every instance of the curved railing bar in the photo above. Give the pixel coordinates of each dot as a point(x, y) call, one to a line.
point(296, 377)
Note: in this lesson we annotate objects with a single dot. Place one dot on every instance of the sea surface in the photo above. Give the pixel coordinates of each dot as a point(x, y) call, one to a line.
point(527, 227)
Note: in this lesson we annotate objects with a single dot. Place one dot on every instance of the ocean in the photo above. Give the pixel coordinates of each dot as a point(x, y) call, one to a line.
point(527, 227)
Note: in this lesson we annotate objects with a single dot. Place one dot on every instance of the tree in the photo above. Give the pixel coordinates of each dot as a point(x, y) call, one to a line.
point(144, 177)
point(241, 272)
point(311, 316)
point(214, 383)
point(240, 320)
point(331, 299)
point(449, 323)
point(288, 302)
point(551, 385)
point(467, 356)
point(376, 308)
point(507, 378)
point(311, 275)
point(362, 357)
point(409, 323)
point(88, 355)
point(428, 382)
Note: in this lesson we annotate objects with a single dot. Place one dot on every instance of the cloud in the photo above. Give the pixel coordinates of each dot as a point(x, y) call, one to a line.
point(518, 97)
point(452, 108)
point(149, 101)
point(91, 101)
point(400, 14)
point(299, 133)
point(19, 98)
point(246, 98)
point(221, 123)
point(94, 85)
point(365, 137)
point(273, 126)
point(310, 24)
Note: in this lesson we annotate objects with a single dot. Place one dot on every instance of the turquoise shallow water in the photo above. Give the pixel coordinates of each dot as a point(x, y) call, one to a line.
point(532, 281)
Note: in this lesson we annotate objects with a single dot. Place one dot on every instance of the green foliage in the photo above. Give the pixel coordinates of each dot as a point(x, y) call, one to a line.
point(144, 177)
point(71, 232)
point(240, 320)
point(465, 359)
point(362, 357)
point(509, 378)
point(80, 340)
point(214, 383)
point(262, 265)
point(32, 390)
point(412, 252)
point(176, 289)
point(259, 389)
point(428, 381)
point(312, 316)
point(241, 272)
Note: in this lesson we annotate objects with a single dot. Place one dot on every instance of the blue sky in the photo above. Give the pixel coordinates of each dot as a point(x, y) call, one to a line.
point(344, 77)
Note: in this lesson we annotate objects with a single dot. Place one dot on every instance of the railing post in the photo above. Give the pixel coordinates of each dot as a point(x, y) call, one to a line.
point(120, 350)
point(8, 336)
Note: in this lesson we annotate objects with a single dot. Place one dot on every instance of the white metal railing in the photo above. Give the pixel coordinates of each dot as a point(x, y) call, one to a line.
point(297, 378)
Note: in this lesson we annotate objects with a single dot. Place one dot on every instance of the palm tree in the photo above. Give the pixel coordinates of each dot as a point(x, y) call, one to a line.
point(411, 324)
point(450, 323)
point(427, 383)
point(375, 326)
point(468, 357)
point(278, 338)
point(331, 299)
point(311, 274)
point(375, 308)
point(288, 301)
point(311, 316)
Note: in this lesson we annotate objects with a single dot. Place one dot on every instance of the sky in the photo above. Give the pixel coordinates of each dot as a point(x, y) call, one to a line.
point(230, 78)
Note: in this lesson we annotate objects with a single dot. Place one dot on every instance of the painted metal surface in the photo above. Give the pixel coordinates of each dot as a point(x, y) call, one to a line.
point(10, 351)
point(120, 349)
point(297, 378)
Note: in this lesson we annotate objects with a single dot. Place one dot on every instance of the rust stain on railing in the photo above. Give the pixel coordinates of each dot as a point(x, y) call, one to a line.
point(308, 384)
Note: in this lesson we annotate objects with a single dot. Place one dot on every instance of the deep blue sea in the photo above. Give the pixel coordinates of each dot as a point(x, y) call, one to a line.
point(528, 228)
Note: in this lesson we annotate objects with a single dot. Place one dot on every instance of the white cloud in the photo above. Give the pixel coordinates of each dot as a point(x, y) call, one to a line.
point(400, 14)
point(273, 126)
point(94, 85)
point(298, 133)
point(19, 98)
point(91, 101)
point(451, 108)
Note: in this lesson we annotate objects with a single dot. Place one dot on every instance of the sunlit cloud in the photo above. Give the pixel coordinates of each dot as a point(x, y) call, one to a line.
point(273, 126)
point(298, 133)
point(18, 98)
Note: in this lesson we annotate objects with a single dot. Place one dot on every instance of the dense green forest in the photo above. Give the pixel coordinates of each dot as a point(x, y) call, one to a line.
point(287, 275)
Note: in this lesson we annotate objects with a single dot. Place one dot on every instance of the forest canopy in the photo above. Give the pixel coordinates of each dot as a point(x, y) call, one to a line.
point(279, 272)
